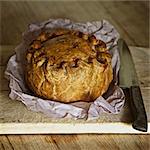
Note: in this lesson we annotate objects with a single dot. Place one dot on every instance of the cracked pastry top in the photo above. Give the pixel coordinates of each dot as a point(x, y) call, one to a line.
point(67, 66)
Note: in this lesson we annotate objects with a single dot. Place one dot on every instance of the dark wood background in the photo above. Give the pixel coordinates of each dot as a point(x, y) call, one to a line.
point(131, 18)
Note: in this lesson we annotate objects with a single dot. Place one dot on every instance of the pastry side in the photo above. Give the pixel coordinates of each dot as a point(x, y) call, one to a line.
point(67, 66)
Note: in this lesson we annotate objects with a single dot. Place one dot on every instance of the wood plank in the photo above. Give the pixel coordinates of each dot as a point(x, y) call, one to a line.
point(72, 142)
point(130, 18)
point(6, 52)
point(18, 113)
point(4, 86)
point(27, 121)
point(25, 117)
point(68, 128)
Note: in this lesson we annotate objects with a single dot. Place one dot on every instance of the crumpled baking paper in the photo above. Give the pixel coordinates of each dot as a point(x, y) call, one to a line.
point(111, 102)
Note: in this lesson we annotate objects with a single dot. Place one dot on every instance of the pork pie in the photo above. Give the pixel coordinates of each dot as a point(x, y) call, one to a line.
point(67, 66)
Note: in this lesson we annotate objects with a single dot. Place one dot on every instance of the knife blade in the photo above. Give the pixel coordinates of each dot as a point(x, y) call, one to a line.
point(128, 81)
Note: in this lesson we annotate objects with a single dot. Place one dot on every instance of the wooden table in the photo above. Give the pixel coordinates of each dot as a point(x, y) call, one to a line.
point(126, 16)
point(130, 18)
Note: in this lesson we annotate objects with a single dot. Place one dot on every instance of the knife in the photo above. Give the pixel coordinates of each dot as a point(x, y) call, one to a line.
point(128, 81)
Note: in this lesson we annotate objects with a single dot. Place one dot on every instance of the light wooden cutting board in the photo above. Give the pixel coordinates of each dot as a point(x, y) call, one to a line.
point(15, 118)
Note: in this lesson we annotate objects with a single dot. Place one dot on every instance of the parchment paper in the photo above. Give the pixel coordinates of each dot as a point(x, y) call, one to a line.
point(111, 102)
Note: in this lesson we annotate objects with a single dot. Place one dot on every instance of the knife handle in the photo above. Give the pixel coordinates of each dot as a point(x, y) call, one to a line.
point(139, 113)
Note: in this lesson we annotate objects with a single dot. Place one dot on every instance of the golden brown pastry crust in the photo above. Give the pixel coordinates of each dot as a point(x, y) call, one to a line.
point(68, 66)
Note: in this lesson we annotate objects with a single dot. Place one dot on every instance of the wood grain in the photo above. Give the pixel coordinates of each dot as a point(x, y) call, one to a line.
point(130, 17)
point(75, 142)
point(26, 121)
point(88, 141)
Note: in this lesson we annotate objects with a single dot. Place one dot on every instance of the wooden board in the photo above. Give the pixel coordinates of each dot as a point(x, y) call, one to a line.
point(75, 142)
point(16, 119)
